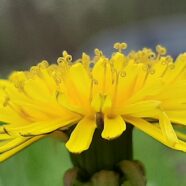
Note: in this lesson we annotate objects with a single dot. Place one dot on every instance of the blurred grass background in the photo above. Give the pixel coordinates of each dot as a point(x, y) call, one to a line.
point(32, 30)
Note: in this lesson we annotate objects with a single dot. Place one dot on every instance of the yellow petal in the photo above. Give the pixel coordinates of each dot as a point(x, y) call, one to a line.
point(167, 128)
point(96, 103)
point(179, 92)
point(180, 146)
point(147, 108)
point(11, 116)
point(77, 87)
point(181, 135)
point(65, 102)
point(36, 88)
point(103, 75)
point(126, 84)
point(147, 91)
point(107, 104)
point(172, 75)
point(154, 131)
point(119, 61)
point(148, 128)
point(177, 116)
point(13, 151)
point(81, 80)
point(39, 128)
point(81, 137)
point(5, 136)
point(10, 144)
point(113, 127)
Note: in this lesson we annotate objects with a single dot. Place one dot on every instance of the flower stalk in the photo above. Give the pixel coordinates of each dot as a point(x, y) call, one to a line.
point(103, 154)
point(106, 163)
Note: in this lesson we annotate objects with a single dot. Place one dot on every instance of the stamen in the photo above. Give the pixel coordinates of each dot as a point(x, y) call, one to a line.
point(60, 60)
point(118, 63)
point(57, 76)
point(67, 57)
point(152, 56)
point(114, 74)
point(43, 64)
point(98, 54)
point(115, 91)
point(37, 70)
point(120, 46)
point(64, 61)
point(91, 89)
point(18, 79)
point(105, 62)
point(148, 67)
point(161, 50)
point(144, 56)
point(168, 61)
point(93, 82)
point(34, 70)
point(52, 68)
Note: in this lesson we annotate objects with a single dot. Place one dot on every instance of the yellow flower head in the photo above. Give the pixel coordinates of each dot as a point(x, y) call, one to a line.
point(144, 88)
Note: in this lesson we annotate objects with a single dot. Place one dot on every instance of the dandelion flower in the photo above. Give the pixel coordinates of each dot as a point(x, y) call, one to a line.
point(143, 88)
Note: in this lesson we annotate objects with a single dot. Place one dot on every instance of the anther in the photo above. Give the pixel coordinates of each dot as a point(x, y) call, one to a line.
point(169, 59)
point(60, 60)
point(34, 69)
point(120, 46)
point(151, 56)
point(161, 50)
point(67, 57)
point(98, 52)
point(148, 67)
point(43, 64)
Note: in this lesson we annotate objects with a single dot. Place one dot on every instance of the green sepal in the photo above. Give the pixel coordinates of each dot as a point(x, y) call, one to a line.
point(133, 173)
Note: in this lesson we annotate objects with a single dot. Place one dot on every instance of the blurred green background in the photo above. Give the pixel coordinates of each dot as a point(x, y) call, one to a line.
point(32, 30)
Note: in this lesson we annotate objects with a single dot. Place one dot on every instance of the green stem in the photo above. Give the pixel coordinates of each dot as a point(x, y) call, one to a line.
point(134, 173)
point(103, 154)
